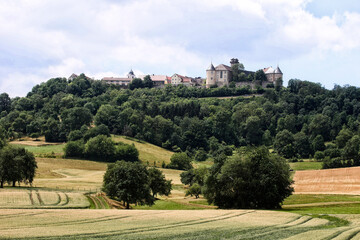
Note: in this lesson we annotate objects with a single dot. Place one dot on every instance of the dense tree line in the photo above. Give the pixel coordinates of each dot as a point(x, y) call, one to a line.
point(298, 121)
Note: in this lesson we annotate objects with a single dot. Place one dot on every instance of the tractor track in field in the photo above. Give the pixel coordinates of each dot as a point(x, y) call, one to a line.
point(155, 228)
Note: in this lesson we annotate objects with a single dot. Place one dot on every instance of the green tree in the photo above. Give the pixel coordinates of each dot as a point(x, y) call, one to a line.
point(284, 144)
point(75, 118)
point(252, 179)
point(16, 165)
point(260, 76)
point(253, 130)
point(128, 182)
point(148, 83)
point(74, 149)
point(136, 83)
point(5, 102)
point(158, 184)
point(318, 143)
point(352, 147)
point(192, 176)
point(200, 155)
point(127, 152)
point(194, 190)
point(180, 161)
point(302, 145)
point(100, 148)
point(343, 136)
point(101, 129)
point(107, 115)
point(320, 125)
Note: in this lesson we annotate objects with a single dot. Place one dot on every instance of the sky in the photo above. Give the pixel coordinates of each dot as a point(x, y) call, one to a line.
point(316, 40)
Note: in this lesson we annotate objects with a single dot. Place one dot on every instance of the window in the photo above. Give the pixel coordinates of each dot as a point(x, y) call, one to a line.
point(221, 74)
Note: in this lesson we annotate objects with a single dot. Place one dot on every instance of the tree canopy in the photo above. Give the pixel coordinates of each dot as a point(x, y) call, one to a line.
point(251, 179)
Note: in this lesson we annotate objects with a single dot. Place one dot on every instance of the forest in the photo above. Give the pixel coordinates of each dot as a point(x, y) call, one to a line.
point(303, 120)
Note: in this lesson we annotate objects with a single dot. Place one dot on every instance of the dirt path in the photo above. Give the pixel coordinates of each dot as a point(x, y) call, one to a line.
point(328, 181)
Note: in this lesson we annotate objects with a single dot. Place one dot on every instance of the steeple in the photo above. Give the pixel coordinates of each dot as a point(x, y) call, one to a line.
point(277, 70)
point(131, 74)
point(211, 67)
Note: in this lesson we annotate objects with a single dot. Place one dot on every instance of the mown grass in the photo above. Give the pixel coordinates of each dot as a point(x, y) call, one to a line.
point(319, 198)
point(322, 204)
point(57, 149)
point(341, 208)
point(201, 202)
point(298, 166)
point(166, 205)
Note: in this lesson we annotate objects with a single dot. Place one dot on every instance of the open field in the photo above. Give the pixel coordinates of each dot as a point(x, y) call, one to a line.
point(69, 174)
point(189, 224)
point(34, 198)
point(42, 150)
point(148, 153)
point(328, 181)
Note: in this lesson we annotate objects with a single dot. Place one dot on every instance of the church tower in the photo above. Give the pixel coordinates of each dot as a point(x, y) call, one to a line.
point(131, 74)
point(210, 76)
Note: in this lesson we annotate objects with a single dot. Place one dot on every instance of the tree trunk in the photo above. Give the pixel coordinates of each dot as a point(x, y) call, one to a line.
point(2, 184)
point(127, 205)
point(14, 184)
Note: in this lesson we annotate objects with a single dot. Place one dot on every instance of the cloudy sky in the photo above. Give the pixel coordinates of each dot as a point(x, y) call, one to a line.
point(315, 40)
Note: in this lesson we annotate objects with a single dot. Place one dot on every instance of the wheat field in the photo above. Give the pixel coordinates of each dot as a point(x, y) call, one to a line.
point(34, 198)
point(164, 224)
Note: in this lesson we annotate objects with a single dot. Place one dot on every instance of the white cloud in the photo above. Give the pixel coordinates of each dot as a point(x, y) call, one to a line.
point(157, 36)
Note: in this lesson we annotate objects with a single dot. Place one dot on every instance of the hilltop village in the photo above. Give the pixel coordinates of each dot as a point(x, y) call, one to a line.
point(219, 76)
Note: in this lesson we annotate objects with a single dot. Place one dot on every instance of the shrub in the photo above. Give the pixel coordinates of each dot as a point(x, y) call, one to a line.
point(75, 135)
point(194, 190)
point(100, 148)
point(180, 161)
point(200, 155)
point(96, 131)
point(319, 156)
point(74, 149)
point(127, 152)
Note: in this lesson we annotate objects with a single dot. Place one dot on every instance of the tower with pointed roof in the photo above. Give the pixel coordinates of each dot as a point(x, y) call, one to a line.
point(210, 76)
point(131, 74)
point(273, 74)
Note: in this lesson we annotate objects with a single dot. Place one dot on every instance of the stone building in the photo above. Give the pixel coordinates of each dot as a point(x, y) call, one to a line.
point(123, 81)
point(222, 74)
point(178, 79)
point(273, 74)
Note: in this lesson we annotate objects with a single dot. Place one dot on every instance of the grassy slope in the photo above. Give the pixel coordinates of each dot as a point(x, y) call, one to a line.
point(148, 153)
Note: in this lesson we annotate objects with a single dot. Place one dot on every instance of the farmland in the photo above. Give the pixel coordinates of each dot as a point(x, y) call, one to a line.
point(56, 207)
point(145, 224)
point(34, 198)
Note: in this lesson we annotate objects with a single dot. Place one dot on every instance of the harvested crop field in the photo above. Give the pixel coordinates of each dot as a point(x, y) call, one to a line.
point(34, 198)
point(148, 224)
point(328, 181)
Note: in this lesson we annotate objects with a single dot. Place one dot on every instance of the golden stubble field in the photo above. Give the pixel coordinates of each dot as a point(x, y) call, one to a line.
point(328, 181)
